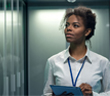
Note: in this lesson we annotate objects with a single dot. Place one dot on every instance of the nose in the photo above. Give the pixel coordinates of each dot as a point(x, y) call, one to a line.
point(69, 28)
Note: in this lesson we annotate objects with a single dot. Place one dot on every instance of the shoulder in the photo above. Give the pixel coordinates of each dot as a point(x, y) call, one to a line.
point(99, 61)
point(99, 58)
point(57, 57)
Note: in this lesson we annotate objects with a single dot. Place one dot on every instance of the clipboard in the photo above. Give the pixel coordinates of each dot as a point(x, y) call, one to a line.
point(58, 90)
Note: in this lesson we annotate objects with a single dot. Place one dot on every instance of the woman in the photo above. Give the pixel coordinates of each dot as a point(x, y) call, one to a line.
point(78, 66)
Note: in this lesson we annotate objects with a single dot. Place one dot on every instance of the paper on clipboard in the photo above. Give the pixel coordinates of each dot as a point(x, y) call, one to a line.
point(58, 90)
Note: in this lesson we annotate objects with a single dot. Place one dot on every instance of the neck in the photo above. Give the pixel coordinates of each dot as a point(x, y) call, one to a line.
point(77, 51)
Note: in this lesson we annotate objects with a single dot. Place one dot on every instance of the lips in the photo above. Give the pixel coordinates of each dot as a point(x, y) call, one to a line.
point(69, 35)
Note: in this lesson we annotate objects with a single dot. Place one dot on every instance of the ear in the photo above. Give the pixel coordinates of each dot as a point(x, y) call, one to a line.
point(88, 31)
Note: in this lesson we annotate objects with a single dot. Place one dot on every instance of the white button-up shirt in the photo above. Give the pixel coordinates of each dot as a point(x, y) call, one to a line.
point(95, 72)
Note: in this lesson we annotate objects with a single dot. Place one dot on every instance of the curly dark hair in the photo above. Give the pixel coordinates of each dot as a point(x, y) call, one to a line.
point(88, 17)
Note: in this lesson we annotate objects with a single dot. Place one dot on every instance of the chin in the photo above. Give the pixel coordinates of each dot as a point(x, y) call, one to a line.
point(69, 41)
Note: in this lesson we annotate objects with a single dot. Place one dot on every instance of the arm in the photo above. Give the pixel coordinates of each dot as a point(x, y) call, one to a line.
point(87, 89)
point(48, 79)
point(105, 81)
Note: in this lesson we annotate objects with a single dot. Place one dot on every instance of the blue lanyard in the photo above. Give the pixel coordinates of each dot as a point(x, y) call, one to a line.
point(74, 84)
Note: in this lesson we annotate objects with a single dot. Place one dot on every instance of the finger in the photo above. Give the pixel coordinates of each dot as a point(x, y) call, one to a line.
point(64, 93)
point(83, 93)
point(86, 87)
point(53, 94)
point(88, 92)
point(88, 95)
point(70, 94)
point(82, 84)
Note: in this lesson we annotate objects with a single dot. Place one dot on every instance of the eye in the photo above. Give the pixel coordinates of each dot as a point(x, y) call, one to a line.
point(66, 25)
point(76, 26)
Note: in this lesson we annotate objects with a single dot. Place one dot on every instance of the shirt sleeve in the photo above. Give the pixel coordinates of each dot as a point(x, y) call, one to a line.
point(105, 81)
point(48, 79)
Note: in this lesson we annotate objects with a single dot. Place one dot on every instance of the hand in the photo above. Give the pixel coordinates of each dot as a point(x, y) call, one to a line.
point(64, 94)
point(86, 89)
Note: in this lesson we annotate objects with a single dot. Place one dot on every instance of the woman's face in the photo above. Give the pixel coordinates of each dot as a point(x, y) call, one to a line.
point(75, 30)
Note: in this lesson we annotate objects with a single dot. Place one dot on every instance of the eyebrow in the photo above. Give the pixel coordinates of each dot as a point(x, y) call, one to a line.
point(73, 22)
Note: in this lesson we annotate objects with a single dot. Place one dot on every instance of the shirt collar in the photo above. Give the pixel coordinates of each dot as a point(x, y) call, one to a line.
point(88, 55)
point(67, 55)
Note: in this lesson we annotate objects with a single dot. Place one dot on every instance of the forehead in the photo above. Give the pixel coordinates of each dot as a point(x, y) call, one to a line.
point(74, 18)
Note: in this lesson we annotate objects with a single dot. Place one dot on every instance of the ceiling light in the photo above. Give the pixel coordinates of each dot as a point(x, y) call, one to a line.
point(72, 1)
